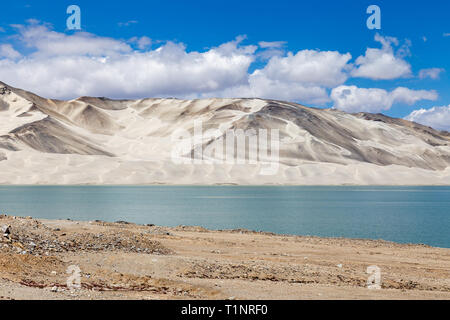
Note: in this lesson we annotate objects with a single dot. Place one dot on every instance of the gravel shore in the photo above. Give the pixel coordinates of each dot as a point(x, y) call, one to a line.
point(41, 259)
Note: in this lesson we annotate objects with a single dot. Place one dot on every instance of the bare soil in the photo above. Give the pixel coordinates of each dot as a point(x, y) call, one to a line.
point(128, 261)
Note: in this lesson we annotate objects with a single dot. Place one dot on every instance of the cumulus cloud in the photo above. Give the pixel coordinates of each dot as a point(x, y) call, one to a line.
point(68, 65)
point(47, 43)
point(64, 66)
point(384, 63)
point(306, 75)
point(436, 117)
point(7, 51)
point(260, 86)
point(432, 73)
point(309, 67)
point(354, 99)
point(59, 65)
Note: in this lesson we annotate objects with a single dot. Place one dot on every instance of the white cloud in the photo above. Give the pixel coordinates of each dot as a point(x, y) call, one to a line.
point(301, 77)
point(141, 42)
point(267, 54)
point(271, 49)
point(354, 99)
point(309, 68)
point(446, 34)
point(65, 66)
point(384, 63)
point(260, 86)
point(436, 117)
point(48, 43)
point(7, 51)
point(432, 73)
point(69, 65)
point(304, 76)
point(272, 44)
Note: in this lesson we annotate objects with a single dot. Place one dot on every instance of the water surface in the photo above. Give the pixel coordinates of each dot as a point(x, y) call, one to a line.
point(400, 214)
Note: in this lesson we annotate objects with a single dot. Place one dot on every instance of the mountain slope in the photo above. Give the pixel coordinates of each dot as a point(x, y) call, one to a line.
point(97, 140)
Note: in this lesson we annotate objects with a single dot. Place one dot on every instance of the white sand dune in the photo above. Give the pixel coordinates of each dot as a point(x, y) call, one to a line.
point(102, 141)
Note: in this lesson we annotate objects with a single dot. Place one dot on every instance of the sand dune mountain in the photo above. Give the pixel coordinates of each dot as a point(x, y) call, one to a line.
point(102, 141)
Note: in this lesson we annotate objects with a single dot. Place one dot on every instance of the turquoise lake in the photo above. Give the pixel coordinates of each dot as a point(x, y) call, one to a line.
point(400, 214)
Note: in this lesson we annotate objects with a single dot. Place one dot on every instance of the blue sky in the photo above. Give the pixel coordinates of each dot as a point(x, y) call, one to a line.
point(314, 33)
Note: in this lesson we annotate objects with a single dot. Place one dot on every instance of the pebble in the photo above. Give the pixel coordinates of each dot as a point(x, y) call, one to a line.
point(43, 241)
point(6, 230)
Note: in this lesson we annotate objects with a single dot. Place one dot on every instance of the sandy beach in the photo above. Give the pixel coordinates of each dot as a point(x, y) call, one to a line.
point(127, 261)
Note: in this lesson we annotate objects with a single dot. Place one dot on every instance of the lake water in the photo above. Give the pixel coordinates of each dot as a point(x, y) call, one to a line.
point(400, 214)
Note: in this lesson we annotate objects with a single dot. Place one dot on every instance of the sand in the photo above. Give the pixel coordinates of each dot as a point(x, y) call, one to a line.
point(128, 261)
point(130, 142)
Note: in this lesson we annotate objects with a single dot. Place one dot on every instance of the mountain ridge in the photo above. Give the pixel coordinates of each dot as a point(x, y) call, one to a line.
point(96, 140)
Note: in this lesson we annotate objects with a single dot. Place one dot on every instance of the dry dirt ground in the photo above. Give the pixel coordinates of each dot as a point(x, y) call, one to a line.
point(128, 261)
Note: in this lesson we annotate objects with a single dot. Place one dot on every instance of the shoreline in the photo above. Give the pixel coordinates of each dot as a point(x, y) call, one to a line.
point(239, 230)
point(223, 185)
point(123, 260)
